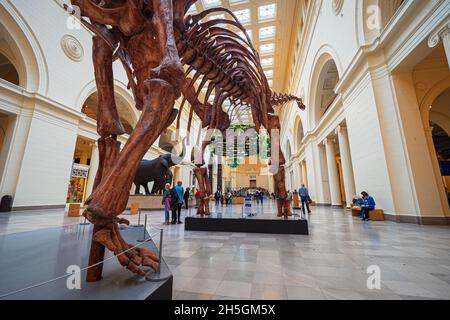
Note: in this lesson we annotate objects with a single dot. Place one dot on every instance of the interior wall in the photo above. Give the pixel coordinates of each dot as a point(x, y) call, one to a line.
point(366, 145)
point(48, 157)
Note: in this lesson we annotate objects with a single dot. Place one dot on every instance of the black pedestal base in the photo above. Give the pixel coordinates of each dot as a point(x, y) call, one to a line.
point(250, 225)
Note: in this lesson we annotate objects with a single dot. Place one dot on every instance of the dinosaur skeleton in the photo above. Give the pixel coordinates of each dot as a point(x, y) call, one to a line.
point(154, 39)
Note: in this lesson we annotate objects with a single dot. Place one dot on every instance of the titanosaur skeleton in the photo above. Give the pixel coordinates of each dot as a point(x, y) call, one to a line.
point(154, 39)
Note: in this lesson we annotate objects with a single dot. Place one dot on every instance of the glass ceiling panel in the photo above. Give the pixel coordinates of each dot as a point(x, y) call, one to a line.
point(243, 15)
point(212, 3)
point(267, 12)
point(267, 32)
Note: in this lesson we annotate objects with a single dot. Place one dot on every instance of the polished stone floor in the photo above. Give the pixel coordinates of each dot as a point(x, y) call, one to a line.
point(330, 263)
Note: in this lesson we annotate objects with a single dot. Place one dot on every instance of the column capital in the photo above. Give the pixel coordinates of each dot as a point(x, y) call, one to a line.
point(428, 129)
point(440, 33)
point(340, 129)
point(328, 141)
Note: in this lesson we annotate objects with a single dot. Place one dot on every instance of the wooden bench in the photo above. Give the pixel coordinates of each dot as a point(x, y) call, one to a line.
point(356, 212)
point(134, 208)
point(374, 215)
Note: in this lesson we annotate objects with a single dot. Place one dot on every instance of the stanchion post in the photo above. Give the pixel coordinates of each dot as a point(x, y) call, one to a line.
point(145, 226)
point(145, 230)
point(160, 249)
point(84, 223)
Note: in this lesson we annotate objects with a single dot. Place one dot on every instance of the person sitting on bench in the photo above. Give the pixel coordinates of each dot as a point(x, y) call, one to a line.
point(367, 206)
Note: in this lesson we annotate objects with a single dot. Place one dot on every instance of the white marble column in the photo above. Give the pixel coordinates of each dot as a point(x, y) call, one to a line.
point(297, 175)
point(445, 34)
point(291, 180)
point(333, 173)
point(347, 169)
point(304, 173)
point(93, 167)
point(300, 174)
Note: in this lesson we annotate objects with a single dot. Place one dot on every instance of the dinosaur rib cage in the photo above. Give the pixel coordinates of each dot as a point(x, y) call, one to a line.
point(228, 65)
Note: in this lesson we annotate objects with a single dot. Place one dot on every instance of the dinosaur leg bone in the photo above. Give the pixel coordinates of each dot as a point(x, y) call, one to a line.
point(111, 196)
point(283, 204)
point(201, 174)
point(170, 68)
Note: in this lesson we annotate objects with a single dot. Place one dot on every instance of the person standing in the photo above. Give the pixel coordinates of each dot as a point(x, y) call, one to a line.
point(367, 206)
point(166, 202)
point(180, 192)
point(186, 196)
point(173, 204)
point(229, 198)
point(304, 197)
point(197, 196)
point(217, 197)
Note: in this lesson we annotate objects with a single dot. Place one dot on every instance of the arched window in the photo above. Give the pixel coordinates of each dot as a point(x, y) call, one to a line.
point(326, 94)
point(7, 71)
point(298, 134)
point(90, 108)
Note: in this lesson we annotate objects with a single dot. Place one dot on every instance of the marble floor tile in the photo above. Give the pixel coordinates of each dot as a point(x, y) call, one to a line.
point(268, 278)
point(179, 282)
point(330, 263)
point(239, 276)
point(204, 286)
point(268, 292)
point(304, 293)
point(182, 295)
point(338, 294)
point(211, 273)
point(409, 289)
point(241, 290)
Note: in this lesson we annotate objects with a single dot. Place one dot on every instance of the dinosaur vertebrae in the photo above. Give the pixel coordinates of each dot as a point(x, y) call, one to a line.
point(281, 99)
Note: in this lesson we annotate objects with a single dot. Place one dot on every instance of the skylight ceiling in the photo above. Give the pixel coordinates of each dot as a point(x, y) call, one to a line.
point(268, 24)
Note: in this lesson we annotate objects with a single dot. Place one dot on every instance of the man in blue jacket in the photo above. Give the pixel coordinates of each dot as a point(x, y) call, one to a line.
point(367, 206)
point(180, 192)
point(304, 197)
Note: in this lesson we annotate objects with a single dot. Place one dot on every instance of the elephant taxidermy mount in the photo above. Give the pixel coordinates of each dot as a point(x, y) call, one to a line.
point(157, 171)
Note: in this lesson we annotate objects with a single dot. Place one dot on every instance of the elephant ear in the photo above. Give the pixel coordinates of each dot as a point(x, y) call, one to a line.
point(165, 162)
